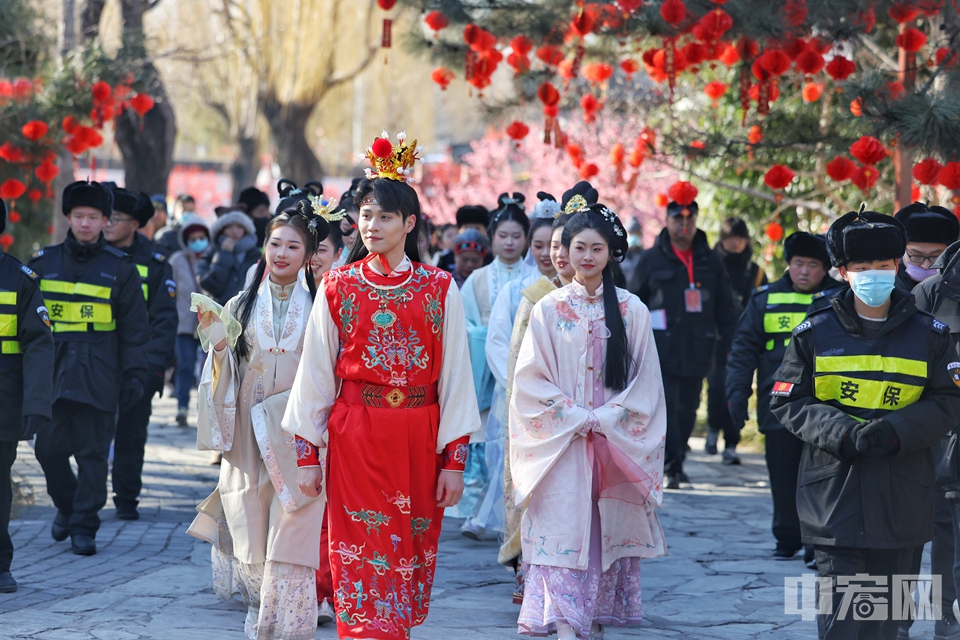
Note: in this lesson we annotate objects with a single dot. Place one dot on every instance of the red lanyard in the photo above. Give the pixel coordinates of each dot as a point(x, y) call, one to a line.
point(686, 257)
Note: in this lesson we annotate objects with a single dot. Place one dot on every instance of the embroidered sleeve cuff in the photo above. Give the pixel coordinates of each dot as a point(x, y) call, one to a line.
point(455, 454)
point(307, 454)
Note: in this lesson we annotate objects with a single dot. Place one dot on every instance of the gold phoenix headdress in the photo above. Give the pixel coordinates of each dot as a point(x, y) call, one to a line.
point(331, 212)
point(392, 162)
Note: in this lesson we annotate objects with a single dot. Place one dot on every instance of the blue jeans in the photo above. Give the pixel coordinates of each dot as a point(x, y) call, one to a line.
point(187, 348)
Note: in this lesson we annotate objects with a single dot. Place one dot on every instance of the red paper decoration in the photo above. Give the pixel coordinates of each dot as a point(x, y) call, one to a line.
point(582, 23)
point(661, 200)
point(946, 56)
point(141, 103)
point(902, 12)
point(795, 12)
point(550, 55)
point(911, 40)
point(778, 176)
point(34, 130)
point(948, 176)
point(729, 55)
point(925, 171)
point(101, 92)
point(811, 91)
point(841, 168)
point(896, 89)
point(774, 62)
point(868, 150)
point(436, 20)
point(673, 11)
point(588, 170)
point(382, 148)
point(442, 76)
point(683, 193)
point(548, 94)
point(715, 90)
point(840, 68)
point(70, 125)
point(856, 107)
point(517, 130)
point(10, 153)
point(617, 154)
point(12, 189)
point(47, 171)
point(755, 134)
point(597, 72)
point(774, 231)
point(386, 5)
point(5, 241)
point(478, 38)
point(716, 23)
point(629, 66)
point(810, 62)
point(35, 196)
point(865, 177)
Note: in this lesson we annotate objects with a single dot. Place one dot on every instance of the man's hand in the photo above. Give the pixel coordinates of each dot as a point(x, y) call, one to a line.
point(877, 438)
point(449, 488)
point(310, 481)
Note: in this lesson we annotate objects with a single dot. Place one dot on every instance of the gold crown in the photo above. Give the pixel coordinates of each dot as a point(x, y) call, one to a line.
point(331, 212)
point(393, 162)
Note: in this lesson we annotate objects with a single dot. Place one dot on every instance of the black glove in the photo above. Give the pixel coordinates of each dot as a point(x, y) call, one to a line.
point(131, 393)
point(155, 383)
point(738, 419)
point(848, 446)
point(32, 425)
point(877, 438)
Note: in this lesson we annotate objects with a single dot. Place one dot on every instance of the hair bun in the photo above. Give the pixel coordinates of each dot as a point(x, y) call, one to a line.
point(315, 187)
point(506, 199)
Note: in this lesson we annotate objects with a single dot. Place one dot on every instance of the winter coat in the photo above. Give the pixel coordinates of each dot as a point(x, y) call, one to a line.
point(222, 273)
point(688, 343)
point(184, 264)
point(745, 275)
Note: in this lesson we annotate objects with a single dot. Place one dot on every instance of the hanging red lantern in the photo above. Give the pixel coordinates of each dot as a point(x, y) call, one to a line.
point(868, 150)
point(101, 92)
point(925, 171)
point(141, 103)
point(386, 5)
point(10, 153)
point(795, 12)
point(75, 145)
point(521, 45)
point(865, 178)
point(840, 68)
point(588, 170)
point(946, 56)
point(774, 231)
point(810, 62)
point(949, 176)
point(517, 130)
point(755, 134)
point(729, 55)
point(747, 48)
point(617, 154)
point(856, 107)
point(582, 23)
point(35, 196)
point(436, 20)
point(22, 89)
point(548, 94)
point(866, 20)
point(841, 168)
point(778, 176)
point(661, 200)
point(774, 62)
point(47, 171)
point(673, 12)
point(683, 193)
point(12, 189)
point(597, 72)
point(895, 88)
point(590, 106)
point(629, 6)
point(902, 12)
point(478, 38)
point(520, 63)
point(911, 40)
point(811, 91)
point(70, 125)
point(716, 23)
point(34, 130)
point(715, 90)
point(442, 76)
point(629, 66)
point(5, 241)
point(694, 54)
point(550, 55)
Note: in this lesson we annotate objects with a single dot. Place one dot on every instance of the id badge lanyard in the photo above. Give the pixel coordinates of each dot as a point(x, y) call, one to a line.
point(691, 296)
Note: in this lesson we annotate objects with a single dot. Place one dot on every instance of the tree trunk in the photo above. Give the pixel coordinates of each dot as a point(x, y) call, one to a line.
point(288, 123)
point(245, 168)
point(147, 143)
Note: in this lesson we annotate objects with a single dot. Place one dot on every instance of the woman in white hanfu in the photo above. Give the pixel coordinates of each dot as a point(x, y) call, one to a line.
point(264, 530)
point(587, 427)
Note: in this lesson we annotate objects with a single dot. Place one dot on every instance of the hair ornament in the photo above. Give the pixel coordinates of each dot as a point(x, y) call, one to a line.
point(575, 204)
point(331, 211)
point(547, 207)
point(612, 218)
point(389, 161)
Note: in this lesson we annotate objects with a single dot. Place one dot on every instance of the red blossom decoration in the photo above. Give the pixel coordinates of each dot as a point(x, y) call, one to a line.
point(683, 193)
point(779, 176)
point(925, 171)
point(868, 150)
point(841, 168)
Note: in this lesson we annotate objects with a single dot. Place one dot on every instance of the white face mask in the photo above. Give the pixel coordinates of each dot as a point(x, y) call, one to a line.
point(874, 286)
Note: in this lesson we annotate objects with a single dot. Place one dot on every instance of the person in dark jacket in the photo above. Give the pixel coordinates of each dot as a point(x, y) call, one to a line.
point(869, 384)
point(762, 336)
point(745, 275)
point(99, 320)
point(471, 216)
point(26, 380)
point(258, 208)
point(683, 283)
point(131, 212)
point(930, 229)
point(223, 270)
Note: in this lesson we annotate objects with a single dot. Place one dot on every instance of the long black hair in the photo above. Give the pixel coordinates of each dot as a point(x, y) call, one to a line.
point(600, 219)
point(312, 229)
point(393, 196)
point(509, 207)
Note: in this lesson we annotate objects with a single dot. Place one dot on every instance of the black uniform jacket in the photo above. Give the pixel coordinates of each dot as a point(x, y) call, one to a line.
point(94, 372)
point(687, 345)
point(877, 502)
point(26, 379)
point(161, 306)
point(749, 353)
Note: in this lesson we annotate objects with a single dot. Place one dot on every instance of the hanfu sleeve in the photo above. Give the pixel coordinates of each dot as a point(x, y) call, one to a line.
point(459, 415)
point(498, 335)
point(315, 385)
point(218, 390)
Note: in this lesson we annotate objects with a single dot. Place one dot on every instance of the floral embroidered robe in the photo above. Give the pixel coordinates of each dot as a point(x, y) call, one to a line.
point(259, 522)
point(401, 330)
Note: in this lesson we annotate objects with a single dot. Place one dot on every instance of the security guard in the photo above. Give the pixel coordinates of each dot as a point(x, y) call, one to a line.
point(869, 383)
point(99, 322)
point(131, 212)
point(26, 379)
point(759, 344)
point(930, 229)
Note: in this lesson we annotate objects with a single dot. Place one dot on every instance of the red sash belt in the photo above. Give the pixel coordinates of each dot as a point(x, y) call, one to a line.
point(374, 395)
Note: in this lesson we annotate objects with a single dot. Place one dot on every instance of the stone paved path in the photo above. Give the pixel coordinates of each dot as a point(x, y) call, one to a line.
point(151, 580)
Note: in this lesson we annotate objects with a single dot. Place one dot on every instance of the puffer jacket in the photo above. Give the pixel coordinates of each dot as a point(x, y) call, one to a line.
point(184, 263)
point(222, 273)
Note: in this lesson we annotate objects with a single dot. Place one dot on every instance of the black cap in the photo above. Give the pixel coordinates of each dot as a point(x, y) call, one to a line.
point(473, 214)
point(685, 210)
point(87, 194)
point(925, 223)
point(806, 245)
point(865, 236)
point(253, 198)
point(3, 215)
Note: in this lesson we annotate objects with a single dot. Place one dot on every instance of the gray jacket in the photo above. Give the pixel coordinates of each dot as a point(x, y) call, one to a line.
point(184, 264)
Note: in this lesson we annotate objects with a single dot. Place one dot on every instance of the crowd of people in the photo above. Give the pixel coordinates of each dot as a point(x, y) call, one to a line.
point(356, 367)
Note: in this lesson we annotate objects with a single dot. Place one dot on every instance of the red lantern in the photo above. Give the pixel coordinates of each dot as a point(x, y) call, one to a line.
point(590, 106)
point(47, 171)
point(840, 168)
point(101, 92)
point(597, 72)
point(774, 231)
point(946, 56)
point(856, 107)
point(588, 170)
point(716, 23)
point(5, 241)
point(810, 62)
point(14, 215)
point(629, 66)
point(548, 94)
point(729, 55)
point(550, 55)
point(755, 134)
point(865, 177)
point(436, 20)
point(774, 62)
point(520, 63)
point(629, 6)
point(75, 145)
point(582, 23)
point(715, 90)
point(517, 130)
point(902, 12)
point(911, 40)
point(661, 200)
point(442, 76)
point(949, 176)
point(386, 5)
point(868, 150)
point(925, 172)
point(141, 103)
point(12, 189)
point(795, 12)
point(521, 45)
point(22, 89)
point(673, 11)
point(617, 153)
point(812, 91)
point(779, 176)
point(35, 196)
point(10, 153)
point(34, 130)
point(683, 193)
point(747, 48)
point(840, 68)
point(866, 20)
point(70, 125)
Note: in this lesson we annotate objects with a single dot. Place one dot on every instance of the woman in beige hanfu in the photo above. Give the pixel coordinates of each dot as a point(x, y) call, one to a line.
point(264, 530)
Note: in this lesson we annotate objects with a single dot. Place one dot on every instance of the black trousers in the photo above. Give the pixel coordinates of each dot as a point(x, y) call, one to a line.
point(783, 451)
point(8, 453)
point(128, 447)
point(84, 432)
point(682, 398)
point(861, 622)
point(718, 415)
point(943, 553)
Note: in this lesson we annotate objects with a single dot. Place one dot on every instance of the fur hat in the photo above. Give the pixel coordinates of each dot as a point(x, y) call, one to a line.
point(925, 223)
point(3, 215)
point(473, 214)
point(806, 245)
point(138, 206)
point(234, 217)
point(865, 236)
point(253, 198)
point(87, 194)
point(144, 210)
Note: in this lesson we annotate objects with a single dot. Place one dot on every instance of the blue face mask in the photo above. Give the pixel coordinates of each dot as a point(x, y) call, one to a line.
point(873, 287)
point(198, 245)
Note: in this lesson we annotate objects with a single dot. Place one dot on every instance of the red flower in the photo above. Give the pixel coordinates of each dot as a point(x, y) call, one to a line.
point(841, 168)
point(683, 193)
point(436, 20)
point(141, 103)
point(101, 92)
point(925, 172)
point(12, 189)
point(673, 11)
point(911, 40)
point(34, 130)
point(865, 177)
point(840, 68)
point(10, 153)
point(779, 176)
point(949, 176)
point(811, 91)
point(382, 148)
point(868, 150)
point(47, 171)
